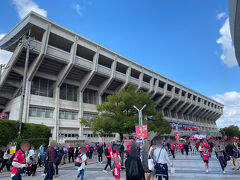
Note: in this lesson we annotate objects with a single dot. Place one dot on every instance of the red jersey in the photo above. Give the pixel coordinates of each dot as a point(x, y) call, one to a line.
point(205, 155)
point(19, 158)
point(87, 147)
point(206, 145)
point(116, 170)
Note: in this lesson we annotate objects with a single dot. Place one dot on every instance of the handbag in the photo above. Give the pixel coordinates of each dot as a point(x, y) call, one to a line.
point(150, 162)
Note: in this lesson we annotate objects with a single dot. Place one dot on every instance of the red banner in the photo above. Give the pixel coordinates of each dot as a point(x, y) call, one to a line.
point(141, 131)
point(177, 135)
point(3, 116)
point(127, 144)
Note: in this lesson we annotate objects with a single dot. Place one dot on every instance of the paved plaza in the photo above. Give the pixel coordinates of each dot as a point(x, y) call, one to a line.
point(190, 167)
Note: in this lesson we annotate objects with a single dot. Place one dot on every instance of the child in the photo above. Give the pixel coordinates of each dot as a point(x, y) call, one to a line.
point(205, 155)
point(116, 169)
point(81, 163)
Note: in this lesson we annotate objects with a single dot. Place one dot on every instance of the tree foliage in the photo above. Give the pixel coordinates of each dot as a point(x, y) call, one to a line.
point(35, 133)
point(230, 131)
point(117, 114)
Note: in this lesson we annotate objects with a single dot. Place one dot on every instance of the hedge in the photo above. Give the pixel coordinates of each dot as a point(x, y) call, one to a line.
point(35, 133)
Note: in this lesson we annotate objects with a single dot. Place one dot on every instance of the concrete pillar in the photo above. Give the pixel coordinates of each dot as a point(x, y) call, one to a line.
point(80, 112)
point(55, 135)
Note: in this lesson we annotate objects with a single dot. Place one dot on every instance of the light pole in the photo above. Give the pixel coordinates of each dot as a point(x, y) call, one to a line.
point(140, 113)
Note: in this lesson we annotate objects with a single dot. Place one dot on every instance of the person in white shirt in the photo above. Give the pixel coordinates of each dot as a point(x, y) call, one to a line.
point(82, 160)
point(160, 157)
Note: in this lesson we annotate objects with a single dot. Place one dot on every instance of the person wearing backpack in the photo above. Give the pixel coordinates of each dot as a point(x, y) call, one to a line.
point(161, 159)
point(133, 165)
point(233, 152)
point(107, 153)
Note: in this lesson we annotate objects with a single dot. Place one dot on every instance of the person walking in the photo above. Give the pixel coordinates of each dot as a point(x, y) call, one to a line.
point(186, 147)
point(91, 149)
point(19, 161)
point(193, 147)
point(108, 152)
point(81, 161)
point(87, 148)
point(205, 155)
point(121, 151)
point(233, 152)
point(4, 157)
point(42, 154)
point(133, 165)
point(117, 169)
point(100, 153)
point(50, 164)
point(173, 147)
point(219, 149)
point(71, 154)
point(147, 154)
point(160, 157)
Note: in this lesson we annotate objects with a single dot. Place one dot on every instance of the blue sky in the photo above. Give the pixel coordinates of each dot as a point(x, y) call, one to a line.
point(176, 38)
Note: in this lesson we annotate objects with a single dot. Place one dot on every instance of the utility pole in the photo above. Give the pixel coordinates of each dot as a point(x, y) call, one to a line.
point(27, 44)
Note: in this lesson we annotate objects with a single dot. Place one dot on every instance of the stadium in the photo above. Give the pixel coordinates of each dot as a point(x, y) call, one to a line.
point(67, 75)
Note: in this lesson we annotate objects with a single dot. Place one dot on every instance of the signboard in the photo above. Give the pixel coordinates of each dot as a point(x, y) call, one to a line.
point(127, 144)
point(3, 116)
point(177, 135)
point(141, 131)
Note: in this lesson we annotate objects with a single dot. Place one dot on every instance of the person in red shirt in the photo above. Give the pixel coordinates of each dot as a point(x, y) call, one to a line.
point(87, 148)
point(116, 169)
point(205, 156)
point(19, 161)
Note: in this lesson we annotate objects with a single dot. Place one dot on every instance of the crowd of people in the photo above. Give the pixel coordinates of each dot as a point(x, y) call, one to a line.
point(140, 163)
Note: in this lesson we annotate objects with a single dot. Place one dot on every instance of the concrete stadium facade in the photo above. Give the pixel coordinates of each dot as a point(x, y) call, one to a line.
point(68, 75)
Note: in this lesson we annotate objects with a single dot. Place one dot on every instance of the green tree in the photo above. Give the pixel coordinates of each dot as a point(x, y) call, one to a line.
point(230, 131)
point(117, 114)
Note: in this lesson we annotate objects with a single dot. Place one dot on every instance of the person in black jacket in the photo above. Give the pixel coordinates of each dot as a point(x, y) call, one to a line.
point(100, 153)
point(134, 168)
point(71, 154)
point(4, 158)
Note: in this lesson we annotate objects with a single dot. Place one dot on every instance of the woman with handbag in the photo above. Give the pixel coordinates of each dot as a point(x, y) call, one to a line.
point(147, 161)
point(161, 159)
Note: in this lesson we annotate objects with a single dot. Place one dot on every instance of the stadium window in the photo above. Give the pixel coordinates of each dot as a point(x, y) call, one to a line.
point(69, 115)
point(42, 87)
point(68, 92)
point(40, 112)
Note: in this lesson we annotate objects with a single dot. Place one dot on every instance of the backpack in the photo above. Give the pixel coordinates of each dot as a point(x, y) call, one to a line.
point(133, 169)
point(106, 152)
point(58, 158)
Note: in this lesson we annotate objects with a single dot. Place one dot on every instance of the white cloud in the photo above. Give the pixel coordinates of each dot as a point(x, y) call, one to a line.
point(221, 15)
point(228, 52)
point(78, 9)
point(26, 6)
point(4, 55)
point(231, 111)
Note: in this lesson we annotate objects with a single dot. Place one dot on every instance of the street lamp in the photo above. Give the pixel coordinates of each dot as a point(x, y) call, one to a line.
point(140, 113)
